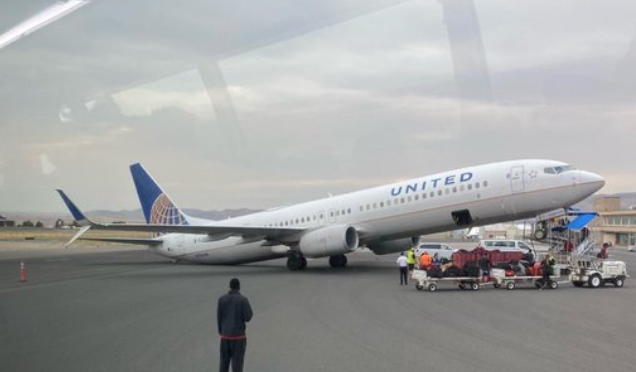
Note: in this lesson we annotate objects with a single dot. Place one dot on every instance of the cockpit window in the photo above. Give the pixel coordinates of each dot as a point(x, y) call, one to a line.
point(559, 169)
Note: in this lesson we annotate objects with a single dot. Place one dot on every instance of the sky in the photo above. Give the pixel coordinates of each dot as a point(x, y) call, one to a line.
point(264, 104)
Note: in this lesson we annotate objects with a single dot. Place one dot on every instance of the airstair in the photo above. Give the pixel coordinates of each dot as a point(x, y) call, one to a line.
point(566, 232)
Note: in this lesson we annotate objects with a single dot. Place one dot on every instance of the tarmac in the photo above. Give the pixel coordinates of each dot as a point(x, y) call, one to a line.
point(130, 310)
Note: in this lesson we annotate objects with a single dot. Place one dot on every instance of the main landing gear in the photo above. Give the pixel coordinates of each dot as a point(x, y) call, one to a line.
point(338, 261)
point(296, 261)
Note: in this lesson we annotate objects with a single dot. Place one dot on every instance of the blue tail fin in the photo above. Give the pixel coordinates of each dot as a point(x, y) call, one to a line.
point(77, 214)
point(157, 206)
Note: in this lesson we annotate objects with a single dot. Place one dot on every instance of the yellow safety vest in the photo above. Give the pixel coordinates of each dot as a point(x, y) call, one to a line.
point(410, 257)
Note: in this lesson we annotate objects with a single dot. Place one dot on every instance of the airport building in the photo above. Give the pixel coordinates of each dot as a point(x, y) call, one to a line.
point(4, 222)
point(614, 225)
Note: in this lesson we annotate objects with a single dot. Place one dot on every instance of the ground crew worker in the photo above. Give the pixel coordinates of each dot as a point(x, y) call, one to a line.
point(410, 259)
point(425, 260)
point(485, 265)
point(436, 260)
point(547, 265)
point(233, 311)
point(402, 264)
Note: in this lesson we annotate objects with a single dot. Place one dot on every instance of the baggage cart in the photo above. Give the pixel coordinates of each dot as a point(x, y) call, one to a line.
point(422, 280)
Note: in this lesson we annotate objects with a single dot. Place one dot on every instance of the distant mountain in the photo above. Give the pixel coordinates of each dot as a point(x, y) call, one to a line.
point(628, 199)
point(129, 216)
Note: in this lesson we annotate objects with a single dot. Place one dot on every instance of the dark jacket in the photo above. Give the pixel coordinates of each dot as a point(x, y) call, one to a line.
point(484, 263)
point(232, 313)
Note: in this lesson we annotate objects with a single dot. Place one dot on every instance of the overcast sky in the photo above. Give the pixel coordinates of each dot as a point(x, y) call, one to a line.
point(322, 97)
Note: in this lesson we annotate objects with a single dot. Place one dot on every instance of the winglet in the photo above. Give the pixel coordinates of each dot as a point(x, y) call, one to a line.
point(77, 214)
point(79, 233)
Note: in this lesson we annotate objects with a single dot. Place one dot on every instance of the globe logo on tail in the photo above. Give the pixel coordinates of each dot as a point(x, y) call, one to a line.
point(163, 212)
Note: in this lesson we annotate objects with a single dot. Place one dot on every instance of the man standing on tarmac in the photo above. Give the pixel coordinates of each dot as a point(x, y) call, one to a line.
point(232, 313)
point(401, 261)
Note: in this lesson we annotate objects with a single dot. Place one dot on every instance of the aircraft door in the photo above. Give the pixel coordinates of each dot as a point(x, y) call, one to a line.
point(180, 244)
point(516, 179)
point(331, 216)
point(321, 218)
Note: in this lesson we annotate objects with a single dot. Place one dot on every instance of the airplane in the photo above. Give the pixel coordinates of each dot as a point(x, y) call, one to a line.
point(385, 219)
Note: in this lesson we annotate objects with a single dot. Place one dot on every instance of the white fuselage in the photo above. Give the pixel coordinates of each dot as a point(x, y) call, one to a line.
point(492, 193)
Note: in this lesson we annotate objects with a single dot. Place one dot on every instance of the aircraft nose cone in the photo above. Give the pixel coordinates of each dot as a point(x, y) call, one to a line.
point(592, 179)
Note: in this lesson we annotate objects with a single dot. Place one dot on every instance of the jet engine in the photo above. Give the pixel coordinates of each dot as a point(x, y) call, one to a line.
point(329, 241)
point(392, 246)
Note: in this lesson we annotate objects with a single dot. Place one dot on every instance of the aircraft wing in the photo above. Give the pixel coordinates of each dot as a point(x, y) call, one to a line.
point(138, 241)
point(244, 231)
point(271, 233)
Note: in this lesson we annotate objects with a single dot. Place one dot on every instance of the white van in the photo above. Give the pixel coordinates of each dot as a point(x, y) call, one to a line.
point(506, 245)
point(442, 250)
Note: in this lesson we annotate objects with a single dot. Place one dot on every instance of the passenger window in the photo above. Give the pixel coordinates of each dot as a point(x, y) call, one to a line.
point(454, 189)
point(381, 204)
point(476, 185)
point(402, 200)
point(424, 196)
point(416, 197)
point(388, 203)
point(439, 192)
point(462, 188)
point(470, 186)
point(432, 194)
point(485, 183)
point(408, 198)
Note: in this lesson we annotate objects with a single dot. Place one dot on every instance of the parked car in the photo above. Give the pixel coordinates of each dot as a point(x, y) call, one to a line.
point(506, 245)
point(442, 250)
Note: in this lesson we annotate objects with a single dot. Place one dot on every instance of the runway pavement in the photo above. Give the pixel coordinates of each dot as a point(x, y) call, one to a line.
point(134, 311)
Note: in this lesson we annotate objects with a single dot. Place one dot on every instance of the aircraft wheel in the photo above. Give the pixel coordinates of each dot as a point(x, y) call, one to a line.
point(295, 263)
point(619, 282)
point(595, 281)
point(510, 286)
point(539, 234)
point(338, 261)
